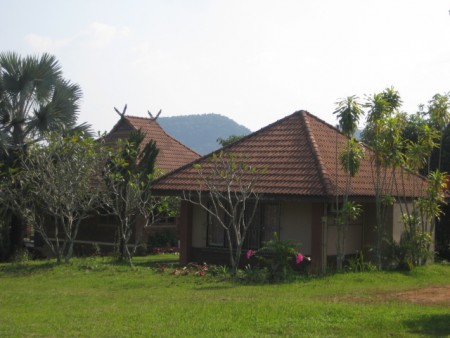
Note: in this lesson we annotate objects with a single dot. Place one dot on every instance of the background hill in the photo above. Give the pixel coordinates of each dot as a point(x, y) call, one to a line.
point(200, 132)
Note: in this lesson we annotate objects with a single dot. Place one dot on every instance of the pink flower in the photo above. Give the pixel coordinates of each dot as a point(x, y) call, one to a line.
point(299, 258)
point(250, 253)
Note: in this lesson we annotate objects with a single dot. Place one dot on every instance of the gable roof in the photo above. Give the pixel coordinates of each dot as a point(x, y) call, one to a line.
point(299, 153)
point(172, 153)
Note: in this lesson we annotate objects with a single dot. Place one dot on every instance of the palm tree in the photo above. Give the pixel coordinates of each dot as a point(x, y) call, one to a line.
point(349, 111)
point(34, 99)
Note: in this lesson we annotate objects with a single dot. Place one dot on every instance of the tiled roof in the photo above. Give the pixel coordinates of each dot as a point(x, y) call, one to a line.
point(299, 155)
point(172, 153)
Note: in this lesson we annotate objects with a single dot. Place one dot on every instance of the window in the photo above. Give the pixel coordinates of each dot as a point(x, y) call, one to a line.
point(270, 221)
point(265, 223)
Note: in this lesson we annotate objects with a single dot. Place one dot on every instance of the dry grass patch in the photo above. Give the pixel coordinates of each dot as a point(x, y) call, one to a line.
point(433, 295)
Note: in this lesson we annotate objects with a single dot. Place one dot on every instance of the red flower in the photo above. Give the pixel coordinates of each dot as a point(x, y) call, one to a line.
point(299, 258)
point(250, 253)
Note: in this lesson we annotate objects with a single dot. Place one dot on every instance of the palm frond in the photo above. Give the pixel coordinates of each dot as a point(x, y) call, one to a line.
point(35, 98)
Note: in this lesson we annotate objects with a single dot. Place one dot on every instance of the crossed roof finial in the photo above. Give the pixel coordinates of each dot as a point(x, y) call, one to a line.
point(121, 114)
point(151, 115)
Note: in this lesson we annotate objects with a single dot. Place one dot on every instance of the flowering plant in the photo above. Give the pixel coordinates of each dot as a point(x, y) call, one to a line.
point(277, 256)
point(299, 258)
point(250, 253)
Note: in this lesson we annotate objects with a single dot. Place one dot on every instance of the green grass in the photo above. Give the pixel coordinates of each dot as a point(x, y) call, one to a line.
point(96, 298)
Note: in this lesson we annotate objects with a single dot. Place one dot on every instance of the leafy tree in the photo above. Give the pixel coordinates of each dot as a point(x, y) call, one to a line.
point(54, 188)
point(384, 127)
point(227, 193)
point(405, 141)
point(348, 111)
point(230, 139)
point(128, 176)
point(439, 112)
point(34, 99)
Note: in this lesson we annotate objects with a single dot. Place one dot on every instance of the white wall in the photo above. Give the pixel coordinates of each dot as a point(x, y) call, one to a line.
point(198, 227)
point(353, 239)
point(295, 225)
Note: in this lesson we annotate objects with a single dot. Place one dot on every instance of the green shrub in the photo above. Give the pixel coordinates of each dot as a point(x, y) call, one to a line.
point(253, 275)
point(358, 264)
point(277, 257)
point(162, 239)
point(221, 271)
point(412, 250)
point(21, 256)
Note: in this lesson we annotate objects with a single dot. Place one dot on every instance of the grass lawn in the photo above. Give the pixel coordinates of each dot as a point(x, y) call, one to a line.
point(93, 297)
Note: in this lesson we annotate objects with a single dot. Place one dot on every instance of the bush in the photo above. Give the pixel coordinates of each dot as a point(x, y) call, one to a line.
point(412, 250)
point(253, 275)
point(221, 271)
point(277, 257)
point(162, 239)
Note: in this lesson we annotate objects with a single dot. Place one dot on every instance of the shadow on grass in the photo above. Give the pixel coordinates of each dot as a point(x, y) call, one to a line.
point(213, 287)
point(430, 325)
point(22, 269)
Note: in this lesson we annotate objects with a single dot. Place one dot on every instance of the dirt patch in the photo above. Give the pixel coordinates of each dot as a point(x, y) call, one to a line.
point(435, 295)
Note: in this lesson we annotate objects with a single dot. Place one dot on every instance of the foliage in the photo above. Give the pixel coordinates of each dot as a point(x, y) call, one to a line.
point(359, 264)
point(351, 210)
point(349, 111)
point(54, 185)
point(430, 205)
point(219, 271)
point(439, 110)
point(351, 157)
point(35, 99)
point(277, 258)
point(383, 131)
point(227, 187)
point(128, 176)
point(413, 248)
point(166, 238)
point(229, 140)
point(252, 275)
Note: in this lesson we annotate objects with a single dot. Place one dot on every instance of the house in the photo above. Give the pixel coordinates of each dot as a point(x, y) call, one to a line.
point(172, 154)
point(298, 189)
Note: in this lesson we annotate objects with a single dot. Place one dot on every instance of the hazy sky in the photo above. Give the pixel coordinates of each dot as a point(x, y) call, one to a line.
point(254, 61)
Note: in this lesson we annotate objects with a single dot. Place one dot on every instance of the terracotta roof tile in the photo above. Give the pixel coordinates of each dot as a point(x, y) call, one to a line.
point(299, 153)
point(172, 153)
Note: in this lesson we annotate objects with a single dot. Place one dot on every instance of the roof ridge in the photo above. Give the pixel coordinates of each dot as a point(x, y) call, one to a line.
point(139, 117)
point(206, 156)
point(315, 149)
point(162, 129)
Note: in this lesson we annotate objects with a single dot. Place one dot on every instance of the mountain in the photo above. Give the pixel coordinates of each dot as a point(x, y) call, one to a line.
point(200, 132)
